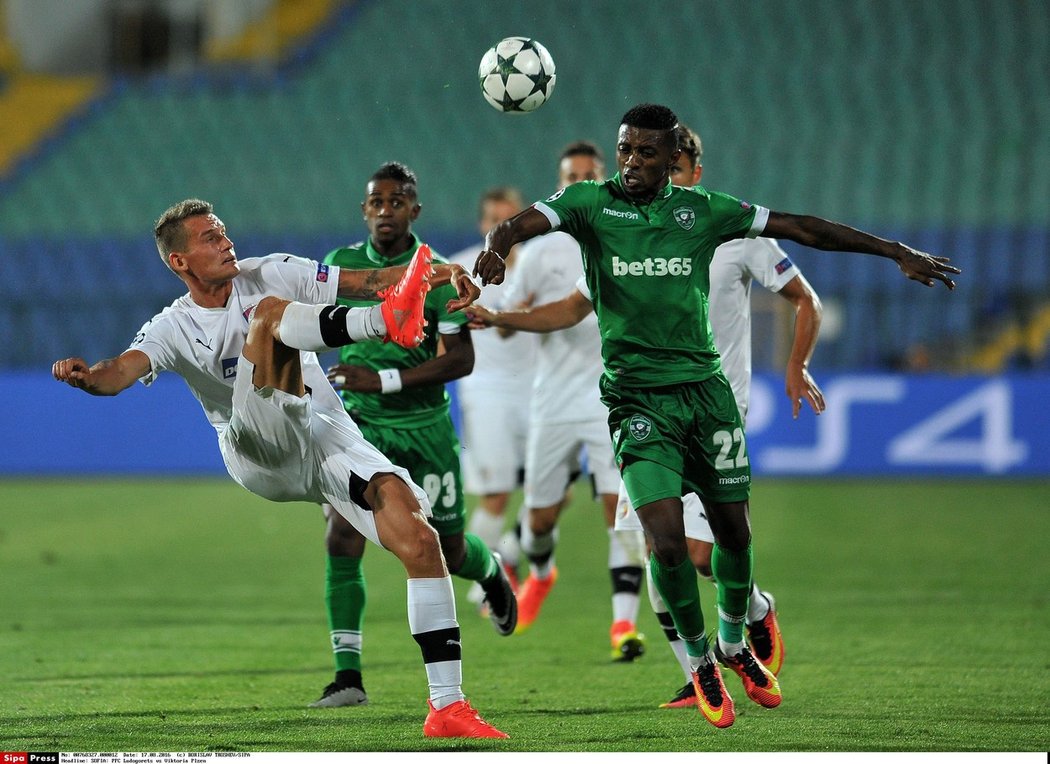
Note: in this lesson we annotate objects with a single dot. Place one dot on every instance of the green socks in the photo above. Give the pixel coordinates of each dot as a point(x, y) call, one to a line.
point(733, 573)
point(478, 562)
point(678, 588)
point(345, 599)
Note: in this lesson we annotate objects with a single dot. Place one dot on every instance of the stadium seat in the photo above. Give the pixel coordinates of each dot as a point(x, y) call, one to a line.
point(918, 121)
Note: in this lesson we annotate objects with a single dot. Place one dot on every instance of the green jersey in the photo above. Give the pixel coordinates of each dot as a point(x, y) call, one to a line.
point(646, 267)
point(418, 405)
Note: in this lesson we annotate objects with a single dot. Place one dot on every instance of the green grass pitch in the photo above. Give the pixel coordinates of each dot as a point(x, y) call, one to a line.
point(187, 615)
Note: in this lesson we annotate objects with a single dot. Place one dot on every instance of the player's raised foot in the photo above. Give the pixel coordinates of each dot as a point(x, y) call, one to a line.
point(712, 699)
point(402, 305)
point(531, 596)
point(500, 600)
point(765, 639)
point(336, 695)
point(458, 720)
point(759, 682)
point(684, 698)
point(627, 643)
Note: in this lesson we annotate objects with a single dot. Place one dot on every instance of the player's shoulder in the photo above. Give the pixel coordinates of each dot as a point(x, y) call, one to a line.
point(759, 249)
point(253, 265)
point(761, 256)
point(696, 194)
point(169, 317)
point(580, 191)
point(696, 190)
point(280, 266)
point(713, 196)
point(345, 253)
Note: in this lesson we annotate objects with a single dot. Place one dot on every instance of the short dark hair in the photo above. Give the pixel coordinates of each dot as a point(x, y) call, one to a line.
point(168, 231)
point(650, 116)
point(582, 149)
point(689, 144)
point(399, 172)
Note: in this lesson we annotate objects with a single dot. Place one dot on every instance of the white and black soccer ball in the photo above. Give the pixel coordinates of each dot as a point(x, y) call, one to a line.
point(517, 75)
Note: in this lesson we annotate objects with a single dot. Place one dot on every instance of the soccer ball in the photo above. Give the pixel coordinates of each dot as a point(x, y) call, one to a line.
point(517, 75)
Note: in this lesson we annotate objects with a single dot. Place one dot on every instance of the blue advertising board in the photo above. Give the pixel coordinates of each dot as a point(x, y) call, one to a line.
point(904, 425)
point(874, 425)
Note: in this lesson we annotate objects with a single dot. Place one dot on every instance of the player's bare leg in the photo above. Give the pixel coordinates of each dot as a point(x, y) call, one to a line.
point(402, 528)
point(276, 364)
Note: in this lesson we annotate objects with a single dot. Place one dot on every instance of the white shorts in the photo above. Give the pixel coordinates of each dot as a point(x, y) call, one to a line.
point(553, 455)
point(283, 448)
point(696, 525)
point(494, 432)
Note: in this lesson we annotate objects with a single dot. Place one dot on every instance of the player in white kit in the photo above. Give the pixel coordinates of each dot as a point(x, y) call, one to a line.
point(493, 400)
point(245, 339)
point(565, 416)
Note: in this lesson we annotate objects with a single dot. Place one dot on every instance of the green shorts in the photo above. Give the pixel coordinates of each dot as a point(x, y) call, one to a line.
point(692, 429)
point(430, 453)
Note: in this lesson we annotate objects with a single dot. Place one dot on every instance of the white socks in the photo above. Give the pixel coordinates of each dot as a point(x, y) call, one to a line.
point(626, 549)
point(322, 327)
point(432, 608)
point(486, 526)
point(757, 606)
point(539, 550)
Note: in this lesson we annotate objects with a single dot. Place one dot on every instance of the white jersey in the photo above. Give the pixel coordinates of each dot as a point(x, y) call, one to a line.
point(735, 265)
point(503, 366)
point(203, 345)
point(569, 361)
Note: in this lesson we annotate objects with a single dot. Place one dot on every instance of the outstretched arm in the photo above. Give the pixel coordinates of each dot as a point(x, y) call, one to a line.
point(798, 384)
point(107, 377)
point(525, 225)
point(824, 234)
point(367, 284)
point(550, 317)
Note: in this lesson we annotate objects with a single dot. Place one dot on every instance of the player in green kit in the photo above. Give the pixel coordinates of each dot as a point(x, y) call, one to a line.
point(397, 397)
point(675, 426)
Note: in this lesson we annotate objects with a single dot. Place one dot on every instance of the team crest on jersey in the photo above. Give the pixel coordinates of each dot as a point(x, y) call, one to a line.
point(247, 312)
point(685, 217)
point(640, 427)
point(229, 368)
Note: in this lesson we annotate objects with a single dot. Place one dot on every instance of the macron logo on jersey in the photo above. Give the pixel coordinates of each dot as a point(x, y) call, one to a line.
point(621, 214)
point(322, 272)
point(783, 265)
point(652, 266)
point(229, 368)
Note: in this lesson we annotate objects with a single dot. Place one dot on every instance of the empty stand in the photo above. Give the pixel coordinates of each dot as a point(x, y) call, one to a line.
point(922, 121)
